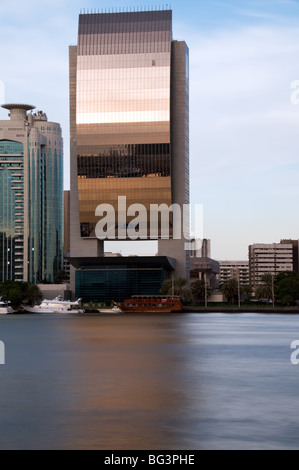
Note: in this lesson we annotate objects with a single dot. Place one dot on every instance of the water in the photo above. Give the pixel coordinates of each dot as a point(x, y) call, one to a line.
point(183, 381)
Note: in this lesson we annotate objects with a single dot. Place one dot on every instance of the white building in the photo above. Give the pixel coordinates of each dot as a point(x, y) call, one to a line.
point(234, 270)
point(269, 259)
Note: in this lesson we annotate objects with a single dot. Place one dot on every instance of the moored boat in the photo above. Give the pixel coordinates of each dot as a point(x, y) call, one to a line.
point(56, 306)
point(151, 304)
point(5, 307)
point(110, 311)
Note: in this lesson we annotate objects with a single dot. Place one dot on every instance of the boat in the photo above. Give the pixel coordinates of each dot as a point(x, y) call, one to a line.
point(151, 304)
point(5, 307)
point(57, 305)
point(111, 311)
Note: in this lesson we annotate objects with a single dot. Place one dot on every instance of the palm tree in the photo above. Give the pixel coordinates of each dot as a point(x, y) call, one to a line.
point(198, 289)
point(178, 286)
point(266, 289)
point(246, 291)
point(230, 289)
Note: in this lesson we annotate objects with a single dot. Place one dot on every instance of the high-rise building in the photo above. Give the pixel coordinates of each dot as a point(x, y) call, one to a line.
point(269, 259)
point(129, 123)
point(66, 242)
point(31, 196)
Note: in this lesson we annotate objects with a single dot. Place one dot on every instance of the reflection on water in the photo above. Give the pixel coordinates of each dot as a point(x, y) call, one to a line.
point(148, 382)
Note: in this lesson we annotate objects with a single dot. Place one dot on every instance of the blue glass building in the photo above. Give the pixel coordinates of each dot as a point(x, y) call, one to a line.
point(31, 196)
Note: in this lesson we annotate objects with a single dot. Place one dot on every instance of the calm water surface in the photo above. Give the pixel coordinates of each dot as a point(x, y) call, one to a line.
point(191, 381)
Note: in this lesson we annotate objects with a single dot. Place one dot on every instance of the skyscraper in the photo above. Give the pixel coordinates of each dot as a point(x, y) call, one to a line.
point(129, 121)
point(31, 196)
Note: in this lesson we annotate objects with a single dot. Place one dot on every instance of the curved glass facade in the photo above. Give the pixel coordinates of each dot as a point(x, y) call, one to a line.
point(46, 214)
point(31, 197)
point(123, 111)
point(11, 210)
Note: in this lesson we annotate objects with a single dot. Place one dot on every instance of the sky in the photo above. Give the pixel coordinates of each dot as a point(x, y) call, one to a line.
point(244, 108)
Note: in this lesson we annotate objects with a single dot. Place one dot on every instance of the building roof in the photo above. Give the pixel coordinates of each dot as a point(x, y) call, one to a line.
point(26, 107)
point(134, 261)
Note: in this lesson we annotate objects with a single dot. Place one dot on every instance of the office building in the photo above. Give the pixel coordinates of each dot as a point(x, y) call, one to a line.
point(269, 259)
point(129, 123)
point(66, 237)
point(31, 201)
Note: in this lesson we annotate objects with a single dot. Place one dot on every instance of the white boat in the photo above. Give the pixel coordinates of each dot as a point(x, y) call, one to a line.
point(114, 310)
point(5, 307)
point(56, 305)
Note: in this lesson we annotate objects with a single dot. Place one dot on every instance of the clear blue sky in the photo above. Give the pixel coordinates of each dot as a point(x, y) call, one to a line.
point(244, 55)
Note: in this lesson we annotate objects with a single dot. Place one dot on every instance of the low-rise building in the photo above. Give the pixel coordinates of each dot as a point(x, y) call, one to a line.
point(234, 270)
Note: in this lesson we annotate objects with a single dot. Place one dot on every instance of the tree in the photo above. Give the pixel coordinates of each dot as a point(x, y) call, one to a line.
point(60, 277)
point(265, 289)
point(13, 291)
point(287, 287)
point(230, 289)
point(20, 292)
point(179, 287)
point(246, 290)
point(167, 287)
point(198, 290)
point(32, 294)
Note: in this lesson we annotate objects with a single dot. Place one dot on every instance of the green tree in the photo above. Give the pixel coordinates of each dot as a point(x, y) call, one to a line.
point(285, 275)
point(179, 287)
point(198, 290)
point(20, 292)
point(166, 288)
point(287, 287)
point(13, 291)
point(265, 289)
point(32, 294)
point(230, 290)
point(246, 291)
point(59, 277)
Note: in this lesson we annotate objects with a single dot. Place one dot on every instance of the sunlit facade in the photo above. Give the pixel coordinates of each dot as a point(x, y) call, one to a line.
point(123, 111)
point(31, 205)
point(124, 140)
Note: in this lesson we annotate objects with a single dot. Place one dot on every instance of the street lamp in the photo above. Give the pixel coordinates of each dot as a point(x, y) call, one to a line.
point(206, 290)
point(239, 293)
point(273, 292)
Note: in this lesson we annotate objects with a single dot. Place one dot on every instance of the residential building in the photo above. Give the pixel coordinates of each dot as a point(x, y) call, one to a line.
point(269, 259)
point(295, 244)
point(31, 201)
point(234, 270)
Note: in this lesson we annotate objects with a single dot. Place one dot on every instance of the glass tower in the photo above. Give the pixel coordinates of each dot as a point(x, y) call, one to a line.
point(123, 111)
point(129, 121)
point(31, 196)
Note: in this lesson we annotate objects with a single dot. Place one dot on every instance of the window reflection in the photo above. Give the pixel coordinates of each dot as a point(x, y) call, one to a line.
point(123, 111)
